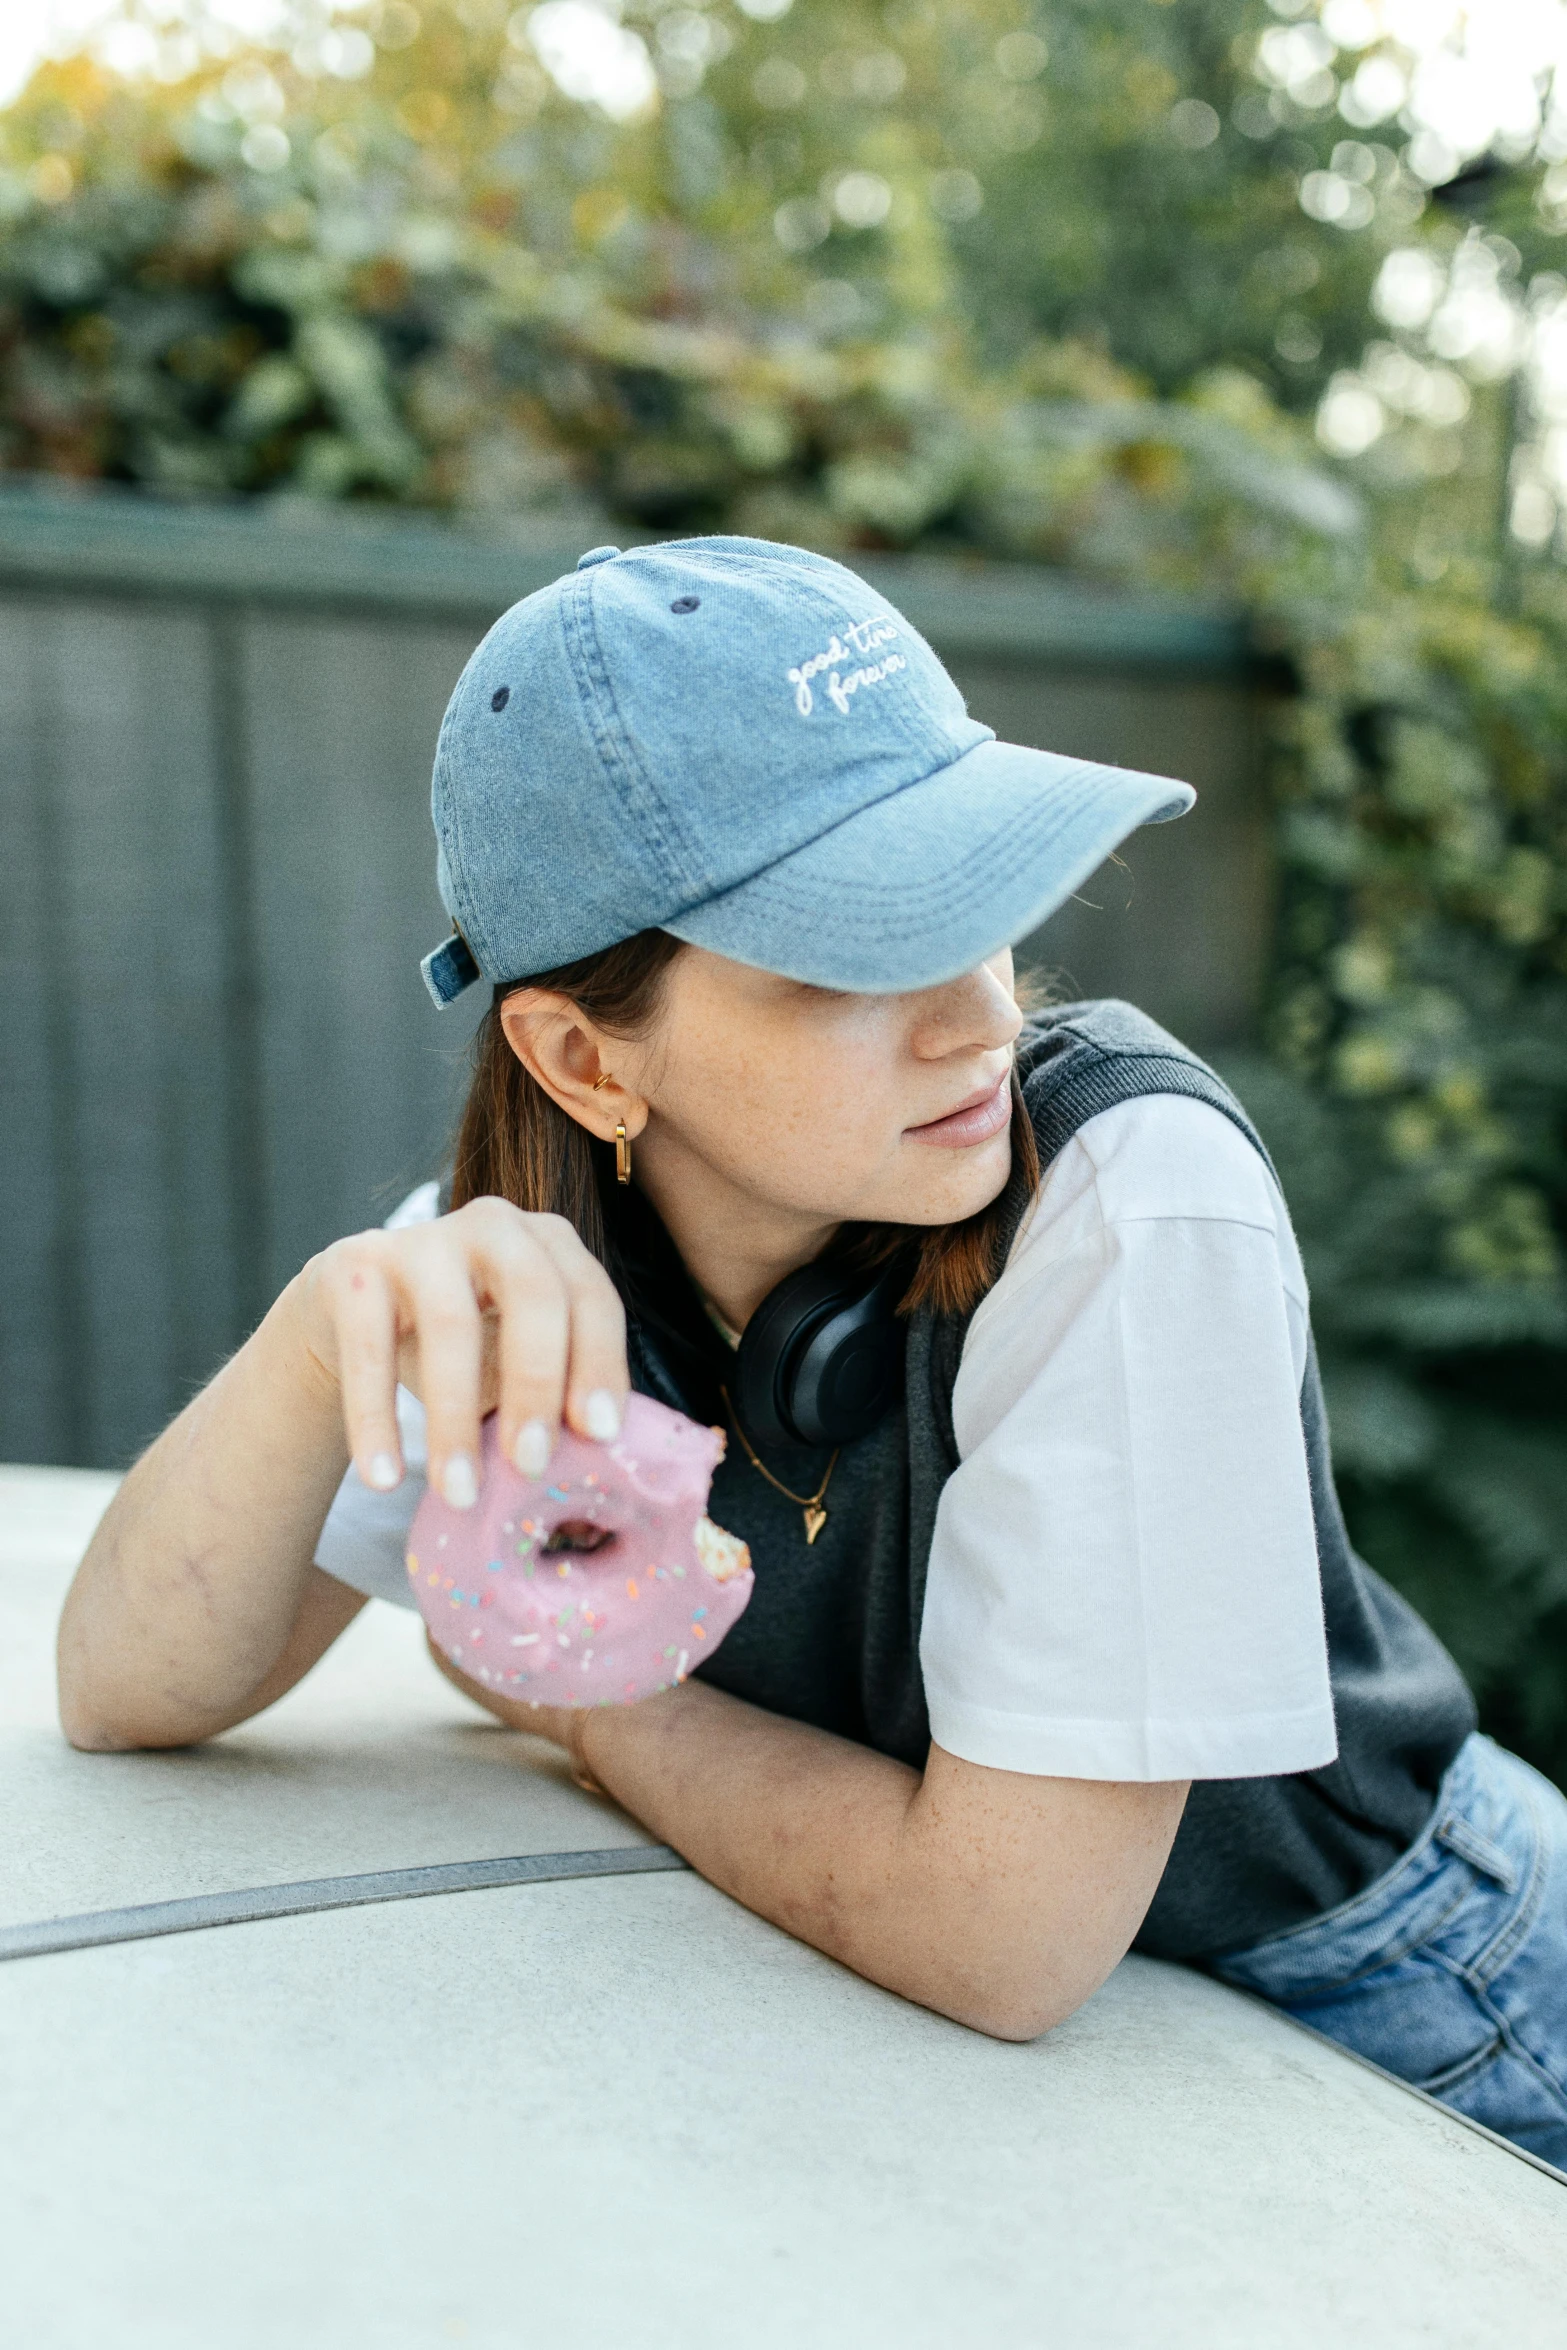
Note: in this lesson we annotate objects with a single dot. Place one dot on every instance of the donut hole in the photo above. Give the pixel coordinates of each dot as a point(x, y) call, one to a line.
point(579, 1534)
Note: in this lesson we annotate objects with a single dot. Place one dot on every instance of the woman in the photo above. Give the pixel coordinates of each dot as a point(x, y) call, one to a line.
point(1057, 1642)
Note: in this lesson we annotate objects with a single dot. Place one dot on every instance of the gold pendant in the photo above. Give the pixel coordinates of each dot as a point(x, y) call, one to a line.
point(815, 1520)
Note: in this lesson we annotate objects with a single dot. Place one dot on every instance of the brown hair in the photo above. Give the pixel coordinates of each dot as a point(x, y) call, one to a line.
point(514, 1142)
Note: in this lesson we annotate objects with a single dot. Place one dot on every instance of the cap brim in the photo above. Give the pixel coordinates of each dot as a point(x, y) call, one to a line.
point(928, 882)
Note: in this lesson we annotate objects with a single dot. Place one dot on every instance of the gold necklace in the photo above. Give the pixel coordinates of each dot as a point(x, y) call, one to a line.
point(809, 1503)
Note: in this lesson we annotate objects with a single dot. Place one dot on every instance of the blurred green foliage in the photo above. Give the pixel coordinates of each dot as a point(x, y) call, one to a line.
point(1025, 280)
point(882, 274)
point(1416, 1099)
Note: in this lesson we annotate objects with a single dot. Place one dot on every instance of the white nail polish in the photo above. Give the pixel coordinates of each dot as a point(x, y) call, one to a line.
point(383, 1472)
point(533, 1448)
point(459, 1485)
point(601, 1416)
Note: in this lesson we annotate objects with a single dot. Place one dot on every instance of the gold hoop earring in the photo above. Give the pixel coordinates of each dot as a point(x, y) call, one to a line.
point(622, 1154)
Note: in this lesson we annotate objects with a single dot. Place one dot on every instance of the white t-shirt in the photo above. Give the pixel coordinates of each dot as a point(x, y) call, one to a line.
point(1123, 1580)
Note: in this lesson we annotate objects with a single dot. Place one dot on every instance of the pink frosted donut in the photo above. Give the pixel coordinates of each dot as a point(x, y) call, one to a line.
point(599, 1583)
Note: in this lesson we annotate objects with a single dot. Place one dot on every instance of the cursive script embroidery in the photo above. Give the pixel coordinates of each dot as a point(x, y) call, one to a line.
point(840, 688)
point(859, 638)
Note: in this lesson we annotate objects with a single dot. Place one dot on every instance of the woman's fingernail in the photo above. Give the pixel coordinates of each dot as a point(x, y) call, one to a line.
point(459, 1485)
point(383, 1472)
point(533, 1448)
point(601, 1416)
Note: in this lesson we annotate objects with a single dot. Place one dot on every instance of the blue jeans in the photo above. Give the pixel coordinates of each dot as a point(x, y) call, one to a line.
point(1451, 1970)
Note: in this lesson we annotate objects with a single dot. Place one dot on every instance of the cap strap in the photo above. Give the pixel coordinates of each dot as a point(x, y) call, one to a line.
point(448, 969)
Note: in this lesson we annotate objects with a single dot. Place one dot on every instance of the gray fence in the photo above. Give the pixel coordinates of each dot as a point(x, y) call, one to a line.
point(216, 877)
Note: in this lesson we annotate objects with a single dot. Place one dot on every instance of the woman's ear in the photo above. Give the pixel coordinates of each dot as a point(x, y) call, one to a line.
point(564, 1053)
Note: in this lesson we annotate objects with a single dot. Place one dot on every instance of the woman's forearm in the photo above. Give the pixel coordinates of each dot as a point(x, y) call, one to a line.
point(193, 1585)
point(807, 1829)
point(999, 1899)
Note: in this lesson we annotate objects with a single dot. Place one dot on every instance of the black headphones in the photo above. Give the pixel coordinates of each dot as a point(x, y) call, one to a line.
point(821, 1359)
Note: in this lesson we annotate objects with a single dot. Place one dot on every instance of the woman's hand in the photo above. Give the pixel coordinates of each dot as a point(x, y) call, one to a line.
point(489, 1307)
point(198, 1602)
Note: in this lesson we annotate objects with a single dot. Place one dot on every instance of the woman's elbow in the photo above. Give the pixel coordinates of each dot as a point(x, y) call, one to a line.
point(89, 1736)
point(94, 1724)
point(104, 1714)
point(86, 1725)
point(1018, 2004)
point(1018, 2020)
point(87, 1722)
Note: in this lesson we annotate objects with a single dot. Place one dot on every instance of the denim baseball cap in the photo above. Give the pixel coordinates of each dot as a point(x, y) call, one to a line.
point(747, 745)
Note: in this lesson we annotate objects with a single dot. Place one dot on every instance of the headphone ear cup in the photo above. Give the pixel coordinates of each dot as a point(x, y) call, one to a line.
point(770, 1346)
point(821, 1359)
point(848, 1373)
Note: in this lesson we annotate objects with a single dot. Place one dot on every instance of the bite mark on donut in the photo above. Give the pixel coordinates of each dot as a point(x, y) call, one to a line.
point(724, 1555)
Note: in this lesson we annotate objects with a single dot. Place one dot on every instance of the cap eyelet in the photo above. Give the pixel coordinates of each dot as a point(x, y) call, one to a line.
point(500, 697)
point(685, 603)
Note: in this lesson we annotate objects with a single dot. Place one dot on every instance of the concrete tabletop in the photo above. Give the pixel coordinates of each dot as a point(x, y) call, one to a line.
point(622, 2111)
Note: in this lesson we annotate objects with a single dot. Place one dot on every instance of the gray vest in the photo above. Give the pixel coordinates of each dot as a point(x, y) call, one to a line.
point(832, 1632)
